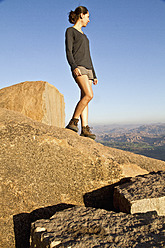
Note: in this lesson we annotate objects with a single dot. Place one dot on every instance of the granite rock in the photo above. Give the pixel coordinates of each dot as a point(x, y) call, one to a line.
point(42, 166)
point(82, 227)
point(142, 194)
point(38, 100)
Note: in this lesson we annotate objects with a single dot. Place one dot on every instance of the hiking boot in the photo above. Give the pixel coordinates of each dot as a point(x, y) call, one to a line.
point(73, 124)
point(86, 132)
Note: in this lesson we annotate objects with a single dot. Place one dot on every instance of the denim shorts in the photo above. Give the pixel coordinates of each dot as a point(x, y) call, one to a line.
point(85, 71)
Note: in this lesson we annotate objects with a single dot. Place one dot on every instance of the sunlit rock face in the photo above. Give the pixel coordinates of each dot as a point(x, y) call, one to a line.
point(38, 100)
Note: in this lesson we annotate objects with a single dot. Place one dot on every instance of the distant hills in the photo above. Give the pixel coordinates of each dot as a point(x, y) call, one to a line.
point(148, 140)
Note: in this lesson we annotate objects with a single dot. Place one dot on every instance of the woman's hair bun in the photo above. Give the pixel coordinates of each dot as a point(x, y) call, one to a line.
point(72, 17)
point(75, 15)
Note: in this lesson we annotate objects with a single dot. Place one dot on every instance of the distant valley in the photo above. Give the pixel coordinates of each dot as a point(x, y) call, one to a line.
point(148, 140)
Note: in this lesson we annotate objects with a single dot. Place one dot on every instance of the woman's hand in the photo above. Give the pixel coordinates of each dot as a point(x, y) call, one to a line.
point(95, 81)
point(77, 72)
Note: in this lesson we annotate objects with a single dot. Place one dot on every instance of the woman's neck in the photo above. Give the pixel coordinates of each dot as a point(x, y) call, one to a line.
point(78, 26)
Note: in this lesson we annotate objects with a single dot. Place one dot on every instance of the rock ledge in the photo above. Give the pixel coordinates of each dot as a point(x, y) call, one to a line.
point(142, 194)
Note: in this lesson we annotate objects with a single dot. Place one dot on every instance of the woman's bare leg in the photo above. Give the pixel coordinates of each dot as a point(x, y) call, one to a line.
point(84, 117)
point(86, 96)
point(81, 109)
point(84, 114)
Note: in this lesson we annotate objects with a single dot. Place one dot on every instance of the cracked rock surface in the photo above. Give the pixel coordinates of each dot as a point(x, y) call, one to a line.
point(82, 227)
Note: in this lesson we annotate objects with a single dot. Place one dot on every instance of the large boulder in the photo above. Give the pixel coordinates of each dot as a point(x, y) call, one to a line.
point(38, 100)
point(42, 166)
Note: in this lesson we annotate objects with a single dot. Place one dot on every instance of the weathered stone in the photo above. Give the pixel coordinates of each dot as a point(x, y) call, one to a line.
point(43, 166)
point(142, 194)
point(89, 227)
point(38, 100)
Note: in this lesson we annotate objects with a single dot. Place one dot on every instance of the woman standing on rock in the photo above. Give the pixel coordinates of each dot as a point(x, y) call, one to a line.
point(79, 59)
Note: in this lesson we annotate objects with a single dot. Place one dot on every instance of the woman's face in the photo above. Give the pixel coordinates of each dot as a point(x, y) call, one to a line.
point(85, 19)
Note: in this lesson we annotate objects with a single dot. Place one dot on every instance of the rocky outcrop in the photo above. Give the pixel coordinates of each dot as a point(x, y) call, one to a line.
point(142, 194)
point(38, 100)
point(89, 227)
point(42, 166)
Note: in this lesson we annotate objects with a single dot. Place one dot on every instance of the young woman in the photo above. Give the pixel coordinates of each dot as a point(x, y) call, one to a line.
point(79, 59)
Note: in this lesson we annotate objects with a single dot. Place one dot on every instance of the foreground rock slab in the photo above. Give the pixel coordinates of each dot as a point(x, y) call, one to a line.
point(89, 227)
point(142, 194)
point(38, 100)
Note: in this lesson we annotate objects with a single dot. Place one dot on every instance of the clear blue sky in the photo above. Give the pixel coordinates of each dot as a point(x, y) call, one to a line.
point(127, 40)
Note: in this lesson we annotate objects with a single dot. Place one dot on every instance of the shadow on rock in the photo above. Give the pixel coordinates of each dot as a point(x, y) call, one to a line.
point(103, 197)
point(22, 222)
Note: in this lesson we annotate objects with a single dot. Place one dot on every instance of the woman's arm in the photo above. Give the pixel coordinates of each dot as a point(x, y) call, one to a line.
point(69, 39)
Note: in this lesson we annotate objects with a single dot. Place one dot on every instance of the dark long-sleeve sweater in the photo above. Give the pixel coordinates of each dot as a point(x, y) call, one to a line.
point(77, 49)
